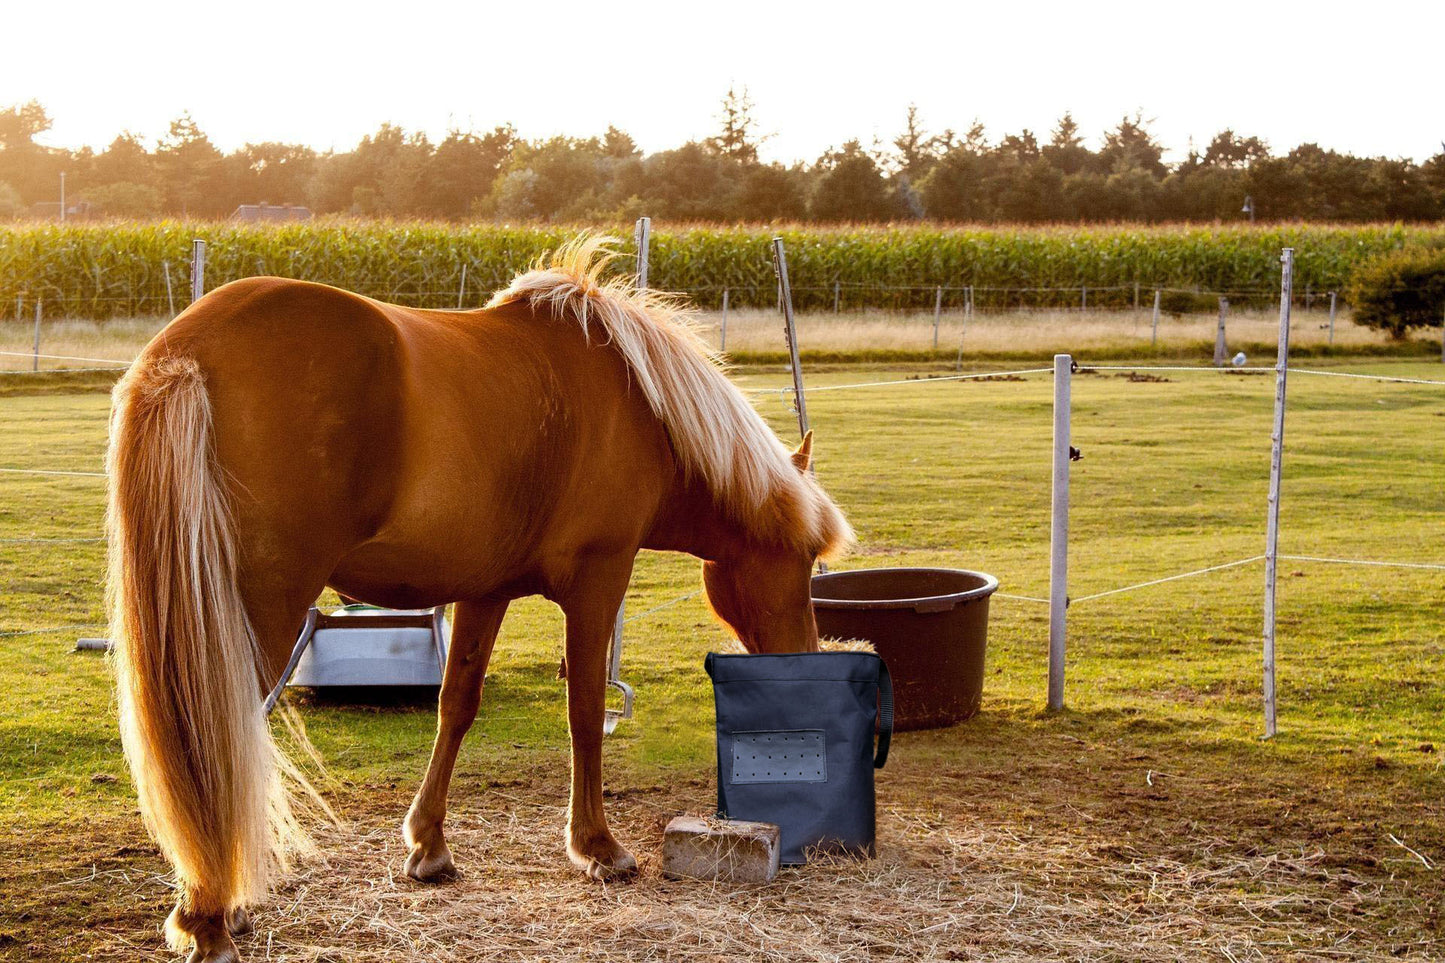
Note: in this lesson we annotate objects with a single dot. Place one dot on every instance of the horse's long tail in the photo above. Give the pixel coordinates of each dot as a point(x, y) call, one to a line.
point(191, 720)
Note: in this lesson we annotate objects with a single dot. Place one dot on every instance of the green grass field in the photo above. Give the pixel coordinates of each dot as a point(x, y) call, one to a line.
point(1147, 821)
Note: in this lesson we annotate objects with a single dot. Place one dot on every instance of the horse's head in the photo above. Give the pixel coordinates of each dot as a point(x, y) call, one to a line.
point(763, 592)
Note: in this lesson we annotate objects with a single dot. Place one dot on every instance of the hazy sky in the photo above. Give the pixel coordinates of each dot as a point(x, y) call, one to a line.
point(1358, 77)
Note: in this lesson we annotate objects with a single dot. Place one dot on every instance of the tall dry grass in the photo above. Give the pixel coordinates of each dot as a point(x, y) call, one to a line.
point(753, 331)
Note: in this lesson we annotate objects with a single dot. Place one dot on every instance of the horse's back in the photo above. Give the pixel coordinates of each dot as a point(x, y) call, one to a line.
point(439, 451)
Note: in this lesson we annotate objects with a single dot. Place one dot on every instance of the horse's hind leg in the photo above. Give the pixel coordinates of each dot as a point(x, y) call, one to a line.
point(473, 633)
point(590, 617)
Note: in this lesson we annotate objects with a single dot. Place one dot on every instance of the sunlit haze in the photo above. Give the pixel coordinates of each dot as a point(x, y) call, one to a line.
point(1359, 78)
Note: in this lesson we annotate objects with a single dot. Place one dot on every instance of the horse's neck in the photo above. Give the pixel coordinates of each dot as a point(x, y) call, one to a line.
point(691, 521)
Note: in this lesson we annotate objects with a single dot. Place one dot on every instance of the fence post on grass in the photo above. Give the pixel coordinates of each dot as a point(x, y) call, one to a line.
point(462, 288)
point(170, 294)
point(1154, 336)
point(19, 307)
point(837, 297)
point(1332, 317)
point(643, 236)
point(790, 331)
point(1136, 297)
point(1084, 298)
point(35, 365)
point(723, 340)
point(1059, 532)
point(937, 313)
point(1219, 348)
point(198, 269)
point(1276, 457)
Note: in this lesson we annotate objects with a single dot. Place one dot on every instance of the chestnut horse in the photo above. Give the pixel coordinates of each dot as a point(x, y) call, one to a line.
point(279, 437)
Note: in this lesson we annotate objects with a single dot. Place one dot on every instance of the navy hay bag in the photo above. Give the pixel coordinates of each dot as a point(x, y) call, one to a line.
point(795, 745)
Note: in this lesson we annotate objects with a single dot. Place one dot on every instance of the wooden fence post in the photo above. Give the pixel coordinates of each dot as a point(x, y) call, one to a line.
point(1219, 347)
point(723, 340)
point(937, 314)
point(198, 269)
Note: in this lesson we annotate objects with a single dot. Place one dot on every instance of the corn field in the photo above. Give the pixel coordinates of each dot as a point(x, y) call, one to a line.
point(102, 271)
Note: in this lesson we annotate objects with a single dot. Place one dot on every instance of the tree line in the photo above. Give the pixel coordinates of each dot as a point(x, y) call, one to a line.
point(919, 175)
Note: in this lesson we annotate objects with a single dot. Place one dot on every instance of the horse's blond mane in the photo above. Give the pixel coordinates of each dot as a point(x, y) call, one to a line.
point(715, 432)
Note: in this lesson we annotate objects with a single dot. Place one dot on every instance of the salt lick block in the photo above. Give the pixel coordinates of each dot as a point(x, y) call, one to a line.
point(727, 850)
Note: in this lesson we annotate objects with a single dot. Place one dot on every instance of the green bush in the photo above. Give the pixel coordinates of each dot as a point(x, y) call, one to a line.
point(1401, 290)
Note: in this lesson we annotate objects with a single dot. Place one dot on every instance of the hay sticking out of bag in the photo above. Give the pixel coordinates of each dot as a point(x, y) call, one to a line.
point(824, 645)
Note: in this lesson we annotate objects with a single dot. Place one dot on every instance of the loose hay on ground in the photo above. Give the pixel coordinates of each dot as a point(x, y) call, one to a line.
point(945, 887)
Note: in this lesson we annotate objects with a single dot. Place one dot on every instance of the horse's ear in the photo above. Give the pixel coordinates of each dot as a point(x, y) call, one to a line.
point(803, 456)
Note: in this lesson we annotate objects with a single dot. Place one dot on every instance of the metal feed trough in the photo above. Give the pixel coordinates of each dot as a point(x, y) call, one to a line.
point(364, 646)
point(360, 645)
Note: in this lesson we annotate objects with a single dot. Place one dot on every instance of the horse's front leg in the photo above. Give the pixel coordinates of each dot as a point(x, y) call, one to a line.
point(473, 633)
point(591, 609)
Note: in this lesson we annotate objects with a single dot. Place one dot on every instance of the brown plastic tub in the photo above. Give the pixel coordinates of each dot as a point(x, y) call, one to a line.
point(930, 625)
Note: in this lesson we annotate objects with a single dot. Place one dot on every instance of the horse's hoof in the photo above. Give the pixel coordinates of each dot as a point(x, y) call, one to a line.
point(612, 864)
point(226, 954)
point(427, 867)
point(238, 922)
point(210, 943)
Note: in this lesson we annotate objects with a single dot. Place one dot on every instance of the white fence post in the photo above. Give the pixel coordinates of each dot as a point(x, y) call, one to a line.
point(837, 297)
point(1059, 532)
point(1276, 457)
point(1332, 317)
point(198, 269)
point(462, 288)
point(1220, 351)
point(1154, 337)
point(170, 294)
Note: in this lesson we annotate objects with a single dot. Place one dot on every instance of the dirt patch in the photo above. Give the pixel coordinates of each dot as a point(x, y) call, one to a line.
point(1143, 377)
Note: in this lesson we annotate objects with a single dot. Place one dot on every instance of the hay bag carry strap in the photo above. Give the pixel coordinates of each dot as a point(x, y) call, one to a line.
point(885, 714)
point(796, 745)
